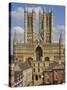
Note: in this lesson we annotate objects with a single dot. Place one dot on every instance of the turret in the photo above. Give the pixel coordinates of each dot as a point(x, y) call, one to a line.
point(61, 48)
point(15, 38)
point(61, 39)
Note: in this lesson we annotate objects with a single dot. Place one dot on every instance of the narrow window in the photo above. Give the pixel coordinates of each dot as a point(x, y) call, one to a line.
point(36, 77)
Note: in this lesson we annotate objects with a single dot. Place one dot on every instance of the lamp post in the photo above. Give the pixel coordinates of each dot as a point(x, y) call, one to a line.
point(42, 76)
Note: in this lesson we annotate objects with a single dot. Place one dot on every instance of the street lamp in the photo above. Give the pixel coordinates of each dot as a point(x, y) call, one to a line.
point(42, 76)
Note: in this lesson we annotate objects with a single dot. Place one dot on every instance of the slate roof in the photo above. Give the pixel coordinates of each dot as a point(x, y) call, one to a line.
point(25, 66)
point(56, 67)
point(17, 68)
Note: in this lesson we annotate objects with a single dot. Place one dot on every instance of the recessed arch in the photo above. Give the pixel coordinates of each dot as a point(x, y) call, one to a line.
point(39, 53)
point(47, 59)
point(29, 59)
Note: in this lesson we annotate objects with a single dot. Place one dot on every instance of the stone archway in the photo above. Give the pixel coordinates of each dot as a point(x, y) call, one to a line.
point(29, 59)
point(46, 58)
point(47, 61)
point(39, 53)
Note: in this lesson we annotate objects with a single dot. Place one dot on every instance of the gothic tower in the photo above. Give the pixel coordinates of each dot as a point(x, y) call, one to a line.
point(15, 43)
point(45, 25)
point(15, 38)
point(61, 49)
point(29, 26)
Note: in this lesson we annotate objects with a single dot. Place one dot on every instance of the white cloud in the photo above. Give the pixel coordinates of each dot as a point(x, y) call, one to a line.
point(56, 31)
point(20, 9)
point(19, 35)
point(58, 28)
point(19, 12)
point(61, 28)
point(36, 9)
point(18, 30)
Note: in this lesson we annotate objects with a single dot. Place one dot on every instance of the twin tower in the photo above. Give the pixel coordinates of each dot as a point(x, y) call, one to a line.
point(45, 26)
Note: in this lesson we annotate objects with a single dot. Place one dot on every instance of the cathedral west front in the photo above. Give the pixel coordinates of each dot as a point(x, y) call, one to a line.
point(40, 60)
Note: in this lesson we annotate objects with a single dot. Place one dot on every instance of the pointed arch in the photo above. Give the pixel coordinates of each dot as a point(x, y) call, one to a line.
point(39, 53)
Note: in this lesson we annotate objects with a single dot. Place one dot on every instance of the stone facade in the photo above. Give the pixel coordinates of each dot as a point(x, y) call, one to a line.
point(38, 48)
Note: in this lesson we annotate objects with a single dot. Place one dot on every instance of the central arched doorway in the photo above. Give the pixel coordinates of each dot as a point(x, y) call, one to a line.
point(39, 53)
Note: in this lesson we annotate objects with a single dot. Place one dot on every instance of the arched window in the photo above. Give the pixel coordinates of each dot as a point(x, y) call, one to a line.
point(30, 59)
point(46, 58)
point(36, 77)
point(39, 53)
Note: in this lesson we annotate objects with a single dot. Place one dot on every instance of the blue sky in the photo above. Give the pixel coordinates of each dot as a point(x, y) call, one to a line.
point(59, 11)
point(17, 19)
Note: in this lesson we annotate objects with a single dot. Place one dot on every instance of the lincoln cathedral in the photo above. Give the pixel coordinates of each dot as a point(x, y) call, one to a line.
point(37, 61)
